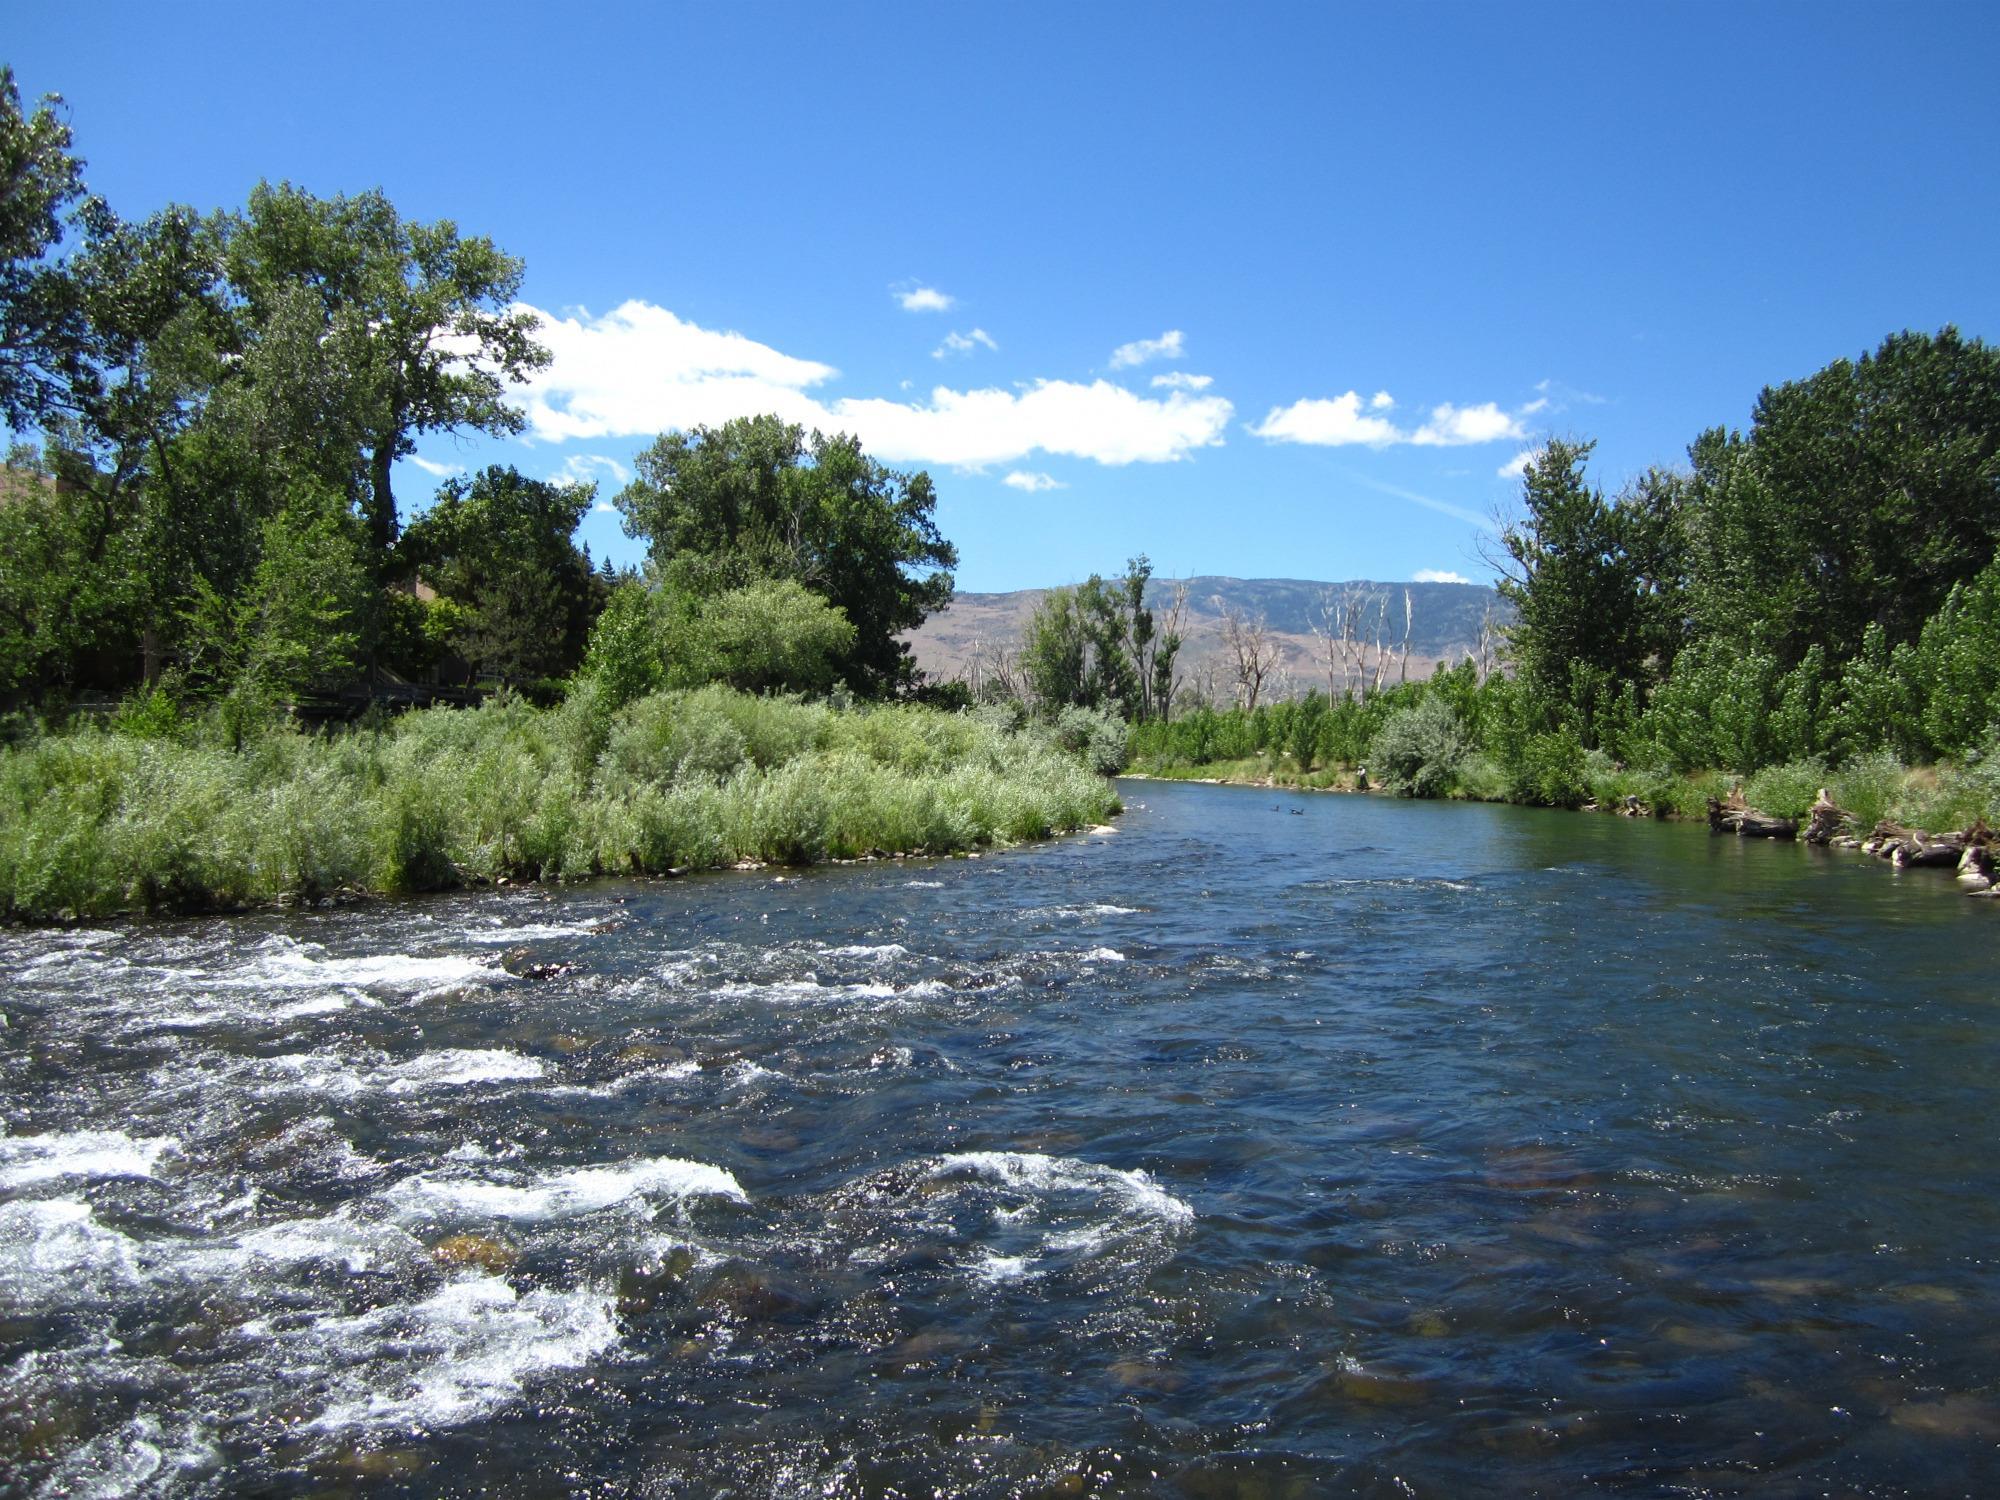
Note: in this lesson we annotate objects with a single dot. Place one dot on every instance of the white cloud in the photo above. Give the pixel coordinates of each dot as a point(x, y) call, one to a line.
point(640, 370)
point(584, 468)
point(1139, 351)
point(1328, 424)
point(1341, 422)
point(972, 429)
point(436, 470)
point(1437, 575)
point(1180, 380)
point(1516, 466)
point(918, 298)
point(603, 508)
point(1455, 426)
point(1020, 479)
point(963, 343)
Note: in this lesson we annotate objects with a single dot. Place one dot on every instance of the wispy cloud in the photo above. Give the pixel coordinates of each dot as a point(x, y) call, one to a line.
point(1516, 466)
point(1032, 484)
point(640, 370)
point(916, 297)
point(584, 468)
point(1561, 397)
point(1180, 380)
point(1429, 502)
point(1437, 575)
point(956, 343)
point(1341, 422)
point(436, 470)
point(1143, 351)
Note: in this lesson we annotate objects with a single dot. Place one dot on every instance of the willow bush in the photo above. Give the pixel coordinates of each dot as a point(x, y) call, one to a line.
point(98, 820)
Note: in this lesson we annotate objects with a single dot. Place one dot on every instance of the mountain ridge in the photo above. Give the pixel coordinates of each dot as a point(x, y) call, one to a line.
point(1447, 622)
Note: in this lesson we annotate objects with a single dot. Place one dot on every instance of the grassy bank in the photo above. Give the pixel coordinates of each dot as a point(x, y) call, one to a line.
point(162, 817)
point(1871, 788)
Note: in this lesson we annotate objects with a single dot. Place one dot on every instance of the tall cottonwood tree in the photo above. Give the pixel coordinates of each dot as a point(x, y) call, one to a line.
point(755, 498)
point(414, 322)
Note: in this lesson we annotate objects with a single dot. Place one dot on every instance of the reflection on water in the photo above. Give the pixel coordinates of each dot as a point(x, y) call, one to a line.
point(1391, 1149)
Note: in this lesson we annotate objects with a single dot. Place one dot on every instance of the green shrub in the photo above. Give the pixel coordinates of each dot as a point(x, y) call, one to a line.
point(1480, 778)
point(1867, 787)
point(1551, 771)
point(1418, 750)
point(1789, 790)
point(1098, 735)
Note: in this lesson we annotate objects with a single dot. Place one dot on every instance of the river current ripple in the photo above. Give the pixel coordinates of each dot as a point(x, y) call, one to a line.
point(1268, 1146)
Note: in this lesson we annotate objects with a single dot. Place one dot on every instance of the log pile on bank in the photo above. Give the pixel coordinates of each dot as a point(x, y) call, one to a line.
point(1970, 851)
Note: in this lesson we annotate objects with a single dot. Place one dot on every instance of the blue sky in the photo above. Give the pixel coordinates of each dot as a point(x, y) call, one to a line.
point(1265, 290)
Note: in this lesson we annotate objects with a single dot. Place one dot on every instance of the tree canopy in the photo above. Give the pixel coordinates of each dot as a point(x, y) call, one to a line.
point(755, 498)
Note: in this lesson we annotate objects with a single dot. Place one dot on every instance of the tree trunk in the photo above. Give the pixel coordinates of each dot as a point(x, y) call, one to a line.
point(381, 499)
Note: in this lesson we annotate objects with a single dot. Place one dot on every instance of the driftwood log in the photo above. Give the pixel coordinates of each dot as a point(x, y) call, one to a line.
point(1735, 817)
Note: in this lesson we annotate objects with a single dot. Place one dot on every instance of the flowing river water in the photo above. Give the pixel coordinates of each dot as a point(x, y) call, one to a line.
point(1269, 1146)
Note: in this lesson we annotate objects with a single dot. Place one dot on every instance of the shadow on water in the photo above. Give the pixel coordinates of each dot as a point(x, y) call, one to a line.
point(1388, 1148)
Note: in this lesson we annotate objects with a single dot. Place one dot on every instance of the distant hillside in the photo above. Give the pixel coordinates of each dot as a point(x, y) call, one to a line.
point(1446, 621)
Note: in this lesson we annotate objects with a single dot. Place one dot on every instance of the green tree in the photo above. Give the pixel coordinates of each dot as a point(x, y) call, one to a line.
point(415, 321)
point(1860, 496)
point(722, 507)
point(499, 546)
point(1593, 584)
point(297, 627)
point(773, 635)
point(41, 183)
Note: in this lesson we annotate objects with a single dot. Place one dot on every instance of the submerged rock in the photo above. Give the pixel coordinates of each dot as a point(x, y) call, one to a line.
point(474, 1250)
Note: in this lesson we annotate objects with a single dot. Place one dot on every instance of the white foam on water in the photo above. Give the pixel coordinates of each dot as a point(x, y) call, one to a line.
point(473, 1345)
point(809, 991)
point(1104, 956)
point(26, 1159)
point(448, 1067)
point(359, 1247)
point(664, 1073)
point(562, 1195)
point(1034, 1172)
point(454, 1067)
point(994, 1268)
point(744, 1073)
point(880, 952)
point(1088, 909)
point(284, 964)
point(925, 885)
point(46, 1245)
point(531, 932)
point(144, 1456)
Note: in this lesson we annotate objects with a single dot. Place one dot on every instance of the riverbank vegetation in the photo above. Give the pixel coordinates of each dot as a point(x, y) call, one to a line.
point(213, 601)
point(154, 813)
point(1813, 603)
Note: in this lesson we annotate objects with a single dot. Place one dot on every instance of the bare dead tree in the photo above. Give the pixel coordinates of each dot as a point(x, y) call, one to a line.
point(1409, 620)
point(1252, 647)
point(995, 670)
point(1489, 642)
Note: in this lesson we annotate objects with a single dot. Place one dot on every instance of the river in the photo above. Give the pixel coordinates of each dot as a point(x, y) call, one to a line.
point(1271, 1145)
